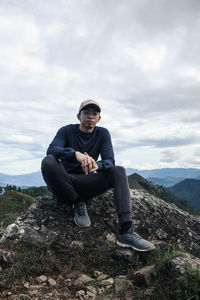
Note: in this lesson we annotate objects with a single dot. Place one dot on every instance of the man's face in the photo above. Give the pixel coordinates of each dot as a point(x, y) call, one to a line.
point(88, 118)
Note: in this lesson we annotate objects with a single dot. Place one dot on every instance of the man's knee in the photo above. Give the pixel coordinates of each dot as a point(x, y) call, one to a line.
point(48, 163)
point(117, 171)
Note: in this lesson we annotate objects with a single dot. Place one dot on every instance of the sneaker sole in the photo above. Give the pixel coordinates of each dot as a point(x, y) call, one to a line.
point(88, 225)
point(140, 250)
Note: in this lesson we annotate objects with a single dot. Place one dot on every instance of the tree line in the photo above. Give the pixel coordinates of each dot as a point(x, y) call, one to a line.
point(31, 191)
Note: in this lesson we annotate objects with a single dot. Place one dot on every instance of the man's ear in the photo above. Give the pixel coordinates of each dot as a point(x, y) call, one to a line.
point(78, 116)
point(99, 118)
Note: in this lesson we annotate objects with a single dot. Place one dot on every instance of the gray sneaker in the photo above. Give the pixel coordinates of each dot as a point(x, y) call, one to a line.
point(81, 217)
point(131, 239)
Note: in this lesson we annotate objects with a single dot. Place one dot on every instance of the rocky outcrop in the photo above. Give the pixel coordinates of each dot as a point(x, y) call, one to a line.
point(48, 225)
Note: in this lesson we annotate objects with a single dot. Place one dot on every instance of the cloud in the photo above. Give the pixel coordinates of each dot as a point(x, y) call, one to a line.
point(170, 156)
point(137, 58)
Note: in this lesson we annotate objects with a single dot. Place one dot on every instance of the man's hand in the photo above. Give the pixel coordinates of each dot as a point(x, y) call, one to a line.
point(88, 164)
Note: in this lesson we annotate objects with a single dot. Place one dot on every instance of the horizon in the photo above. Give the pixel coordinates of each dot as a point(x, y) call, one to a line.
point(125, 168)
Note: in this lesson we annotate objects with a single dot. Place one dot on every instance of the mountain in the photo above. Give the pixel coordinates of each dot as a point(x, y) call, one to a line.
point(166, 176)
point(189, 190)
point(166, 182)
point(138, 182)
point(31, 179)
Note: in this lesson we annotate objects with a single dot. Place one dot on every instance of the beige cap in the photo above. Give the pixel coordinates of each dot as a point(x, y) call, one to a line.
point(89, 102)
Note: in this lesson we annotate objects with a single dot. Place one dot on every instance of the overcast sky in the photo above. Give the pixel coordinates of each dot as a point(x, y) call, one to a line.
point(140, 59)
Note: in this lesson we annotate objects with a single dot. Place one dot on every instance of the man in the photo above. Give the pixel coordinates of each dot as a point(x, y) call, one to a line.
point(74, 174)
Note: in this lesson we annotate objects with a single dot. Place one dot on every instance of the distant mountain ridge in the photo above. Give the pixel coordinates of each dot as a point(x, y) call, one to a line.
point(31, 179)
point(138, 182)
point(189, 190)
point(166, 176)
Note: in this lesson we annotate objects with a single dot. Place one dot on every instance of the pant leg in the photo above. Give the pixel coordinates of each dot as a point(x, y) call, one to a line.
point(93, 184)
point(59, 182)
point(67, 187)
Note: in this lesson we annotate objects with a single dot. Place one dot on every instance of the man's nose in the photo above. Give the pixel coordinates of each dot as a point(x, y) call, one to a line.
point(91, 114)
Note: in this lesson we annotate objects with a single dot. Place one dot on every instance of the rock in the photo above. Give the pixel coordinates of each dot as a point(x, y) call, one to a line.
point(144, 275)
point(82, 279)
point(126, 254)
point(107, 282)
point(80, 294)
point(33, 292)
point(90, 295)
point(91, 289)
point(102, 277)
point(97, 273)
point(180, 263)
point(6, 257)
point(111, 238)
point(41, 279)
point(49, 225)
point(21, 297)
point(121, 285)
point(74, 274)
point(77, 244)
point(52, 281)
point(34, 287)
point(27, 285)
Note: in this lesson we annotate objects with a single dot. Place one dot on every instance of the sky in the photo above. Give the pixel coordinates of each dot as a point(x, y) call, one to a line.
point(139, 59)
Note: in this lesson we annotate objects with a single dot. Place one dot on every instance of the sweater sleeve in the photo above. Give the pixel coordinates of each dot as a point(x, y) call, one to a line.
point(57, 146)
point(107, 154)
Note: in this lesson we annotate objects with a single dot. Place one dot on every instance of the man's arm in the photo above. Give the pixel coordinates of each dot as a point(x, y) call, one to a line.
point(58, 149)
point(57, 146)
point(107, 153)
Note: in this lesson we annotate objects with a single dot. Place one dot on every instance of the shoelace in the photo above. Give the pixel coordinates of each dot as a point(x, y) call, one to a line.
point(81, 208)
point(135, 234)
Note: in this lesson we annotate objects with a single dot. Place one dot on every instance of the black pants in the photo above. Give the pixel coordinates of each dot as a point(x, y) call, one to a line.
point(70, 187)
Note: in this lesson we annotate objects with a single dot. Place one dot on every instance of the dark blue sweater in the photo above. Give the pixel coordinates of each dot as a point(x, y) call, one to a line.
point(70, 139)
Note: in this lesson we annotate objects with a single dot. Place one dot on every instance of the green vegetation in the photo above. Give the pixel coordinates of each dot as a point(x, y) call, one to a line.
point(32, 261)
point(138, 182)
point(37, 191)
point(189, 190)
point(12, 205)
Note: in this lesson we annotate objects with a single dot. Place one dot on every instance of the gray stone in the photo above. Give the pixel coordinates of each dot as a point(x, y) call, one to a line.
point(102, 277)
point(27, 285)
point(144, 275)
point(111, 237)
point(126, 254)
point(49, 225)
point(77, 244)
point(182, 262)
point(21, 297)
point(97, 273)
point(82, 279)
point(80, 294)
point(107, 282)
point(6, 256)
point(91, 289)
point(41, 279)
point(52, 281)
point(121, 285)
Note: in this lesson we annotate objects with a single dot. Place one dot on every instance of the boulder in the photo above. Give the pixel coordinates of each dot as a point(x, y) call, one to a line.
point(50, 225)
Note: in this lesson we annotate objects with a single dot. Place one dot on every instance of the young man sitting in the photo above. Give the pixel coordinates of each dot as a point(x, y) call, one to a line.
point(74, 174)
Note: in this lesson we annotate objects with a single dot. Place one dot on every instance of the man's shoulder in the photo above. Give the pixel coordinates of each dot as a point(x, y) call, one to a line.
point(69, 127)
point(102, 133)
point(101, 129)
